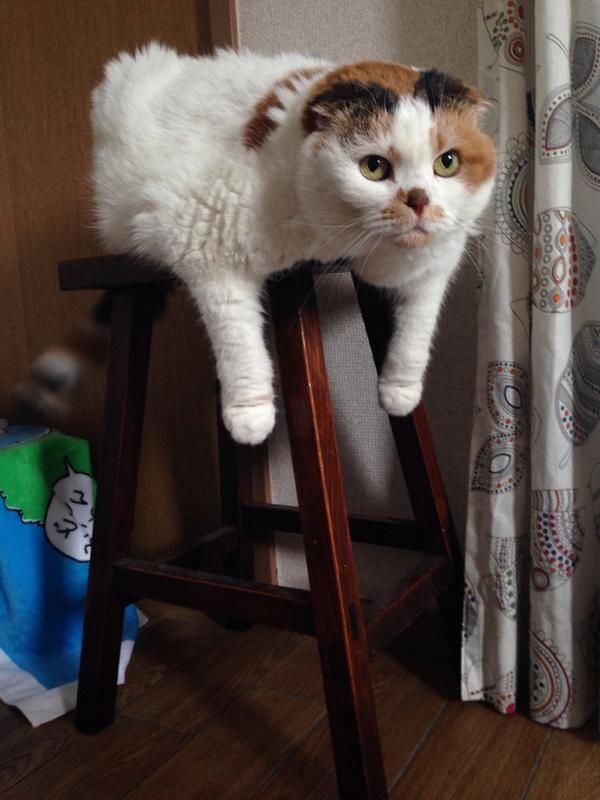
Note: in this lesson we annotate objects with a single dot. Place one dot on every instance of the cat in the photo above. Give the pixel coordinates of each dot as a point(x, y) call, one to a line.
point(229, 168)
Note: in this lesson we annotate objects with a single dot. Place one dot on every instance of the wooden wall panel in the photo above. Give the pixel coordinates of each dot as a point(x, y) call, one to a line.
point(14, 351)
point(51, 56)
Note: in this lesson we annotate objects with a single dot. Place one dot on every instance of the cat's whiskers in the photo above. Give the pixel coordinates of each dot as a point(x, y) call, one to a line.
point(362, 268)
point(469, 258)
point(310, 224)
point(343, 229)
point(484, 250)
point(360, 240)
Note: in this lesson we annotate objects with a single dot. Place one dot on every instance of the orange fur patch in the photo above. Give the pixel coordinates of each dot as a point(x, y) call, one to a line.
point(258, 129)
point(433, 213)
point(456, 129)
point(397, 208)
point(394, 154)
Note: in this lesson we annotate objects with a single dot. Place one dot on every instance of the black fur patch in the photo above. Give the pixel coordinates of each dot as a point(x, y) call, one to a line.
point(350, 99)
point(440, 89)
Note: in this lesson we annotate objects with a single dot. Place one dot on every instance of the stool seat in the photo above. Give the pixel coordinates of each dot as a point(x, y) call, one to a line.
point(349, 632)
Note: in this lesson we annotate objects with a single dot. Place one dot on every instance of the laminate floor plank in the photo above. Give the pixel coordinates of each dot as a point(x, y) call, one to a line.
point(198, 688)
point(298, 673)
point(171, 637)
point(569, 767)
point(473, 753)
point(235, 751)
point(209, 713)
point(407, 708)
point(102, 767)
point(24, 749)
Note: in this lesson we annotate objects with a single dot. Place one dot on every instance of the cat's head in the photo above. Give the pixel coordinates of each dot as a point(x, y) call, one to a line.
point(394, 153)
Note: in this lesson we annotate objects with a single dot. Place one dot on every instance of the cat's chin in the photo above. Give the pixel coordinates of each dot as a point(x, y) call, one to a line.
point(416, 237)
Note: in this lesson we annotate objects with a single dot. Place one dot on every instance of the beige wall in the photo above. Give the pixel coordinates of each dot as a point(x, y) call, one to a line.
point(436, 33)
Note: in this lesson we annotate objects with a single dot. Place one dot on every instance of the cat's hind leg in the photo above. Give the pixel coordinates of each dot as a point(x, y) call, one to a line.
point(231, 309)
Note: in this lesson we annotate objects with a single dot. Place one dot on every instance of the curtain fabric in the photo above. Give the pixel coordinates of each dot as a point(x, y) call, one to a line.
point(532, 600)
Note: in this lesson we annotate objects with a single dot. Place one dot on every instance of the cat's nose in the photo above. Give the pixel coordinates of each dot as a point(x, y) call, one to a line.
point(417, 199)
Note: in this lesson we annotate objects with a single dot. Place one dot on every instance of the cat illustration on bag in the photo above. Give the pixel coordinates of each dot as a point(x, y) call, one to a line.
point(229, 168)
point(69, 521)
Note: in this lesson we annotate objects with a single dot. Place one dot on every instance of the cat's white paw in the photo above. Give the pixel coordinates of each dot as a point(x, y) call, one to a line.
point(399, 399)
point(250, 424)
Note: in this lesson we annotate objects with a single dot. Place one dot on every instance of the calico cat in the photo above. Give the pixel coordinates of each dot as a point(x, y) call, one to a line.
point(231, 167)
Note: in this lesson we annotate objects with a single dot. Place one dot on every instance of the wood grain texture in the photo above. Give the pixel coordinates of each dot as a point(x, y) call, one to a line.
point(220, 595)
point(570, 766)
point(216, 764)
point(224, 23)
point(236, 685)
point(14, 349)
point(473, 753)
point(407, 708)
point(51, 56)
point(133, 312)
point(170, 639)
point(193, 692)
point(24, 749)
point(121, 760)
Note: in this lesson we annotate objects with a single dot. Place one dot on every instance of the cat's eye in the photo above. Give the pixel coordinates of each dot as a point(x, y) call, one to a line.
point(447, 164)
point(375, 168)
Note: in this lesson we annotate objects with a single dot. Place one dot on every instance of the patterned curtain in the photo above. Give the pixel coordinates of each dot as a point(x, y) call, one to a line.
point(532, 600)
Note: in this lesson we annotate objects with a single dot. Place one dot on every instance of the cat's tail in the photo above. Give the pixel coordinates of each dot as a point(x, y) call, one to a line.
point(48, 393)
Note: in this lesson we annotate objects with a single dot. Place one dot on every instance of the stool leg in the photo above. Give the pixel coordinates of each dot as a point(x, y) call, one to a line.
point(414, 444)
point(133, 313)
point(336, 603)
point(235, 478)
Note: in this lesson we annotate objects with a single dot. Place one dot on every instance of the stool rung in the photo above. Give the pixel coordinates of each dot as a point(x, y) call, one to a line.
point(421, 586)
point(109, 272)
point(379, 530)
point(219, 595)
point(114, 271)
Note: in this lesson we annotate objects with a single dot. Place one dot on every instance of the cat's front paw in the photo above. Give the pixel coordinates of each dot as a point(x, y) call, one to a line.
point(250, 423)
point(399, 399)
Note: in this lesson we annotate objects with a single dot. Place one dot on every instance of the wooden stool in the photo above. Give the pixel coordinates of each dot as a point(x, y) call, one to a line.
point(332, 609)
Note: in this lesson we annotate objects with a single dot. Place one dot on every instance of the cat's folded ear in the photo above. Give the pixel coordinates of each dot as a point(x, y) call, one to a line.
point(479, 104)
point(443, 91)
point(346, 100)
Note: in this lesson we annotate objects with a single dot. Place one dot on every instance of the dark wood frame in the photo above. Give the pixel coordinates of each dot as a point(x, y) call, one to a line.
point(348, 634)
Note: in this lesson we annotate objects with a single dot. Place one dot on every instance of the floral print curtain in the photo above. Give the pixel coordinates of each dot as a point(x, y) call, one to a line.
point(532, 600)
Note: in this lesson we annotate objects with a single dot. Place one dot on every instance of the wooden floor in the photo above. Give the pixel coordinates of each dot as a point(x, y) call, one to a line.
point(210, 714)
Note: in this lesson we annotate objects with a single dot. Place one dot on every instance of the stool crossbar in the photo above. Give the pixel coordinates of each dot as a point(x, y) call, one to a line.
point(348, 635)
